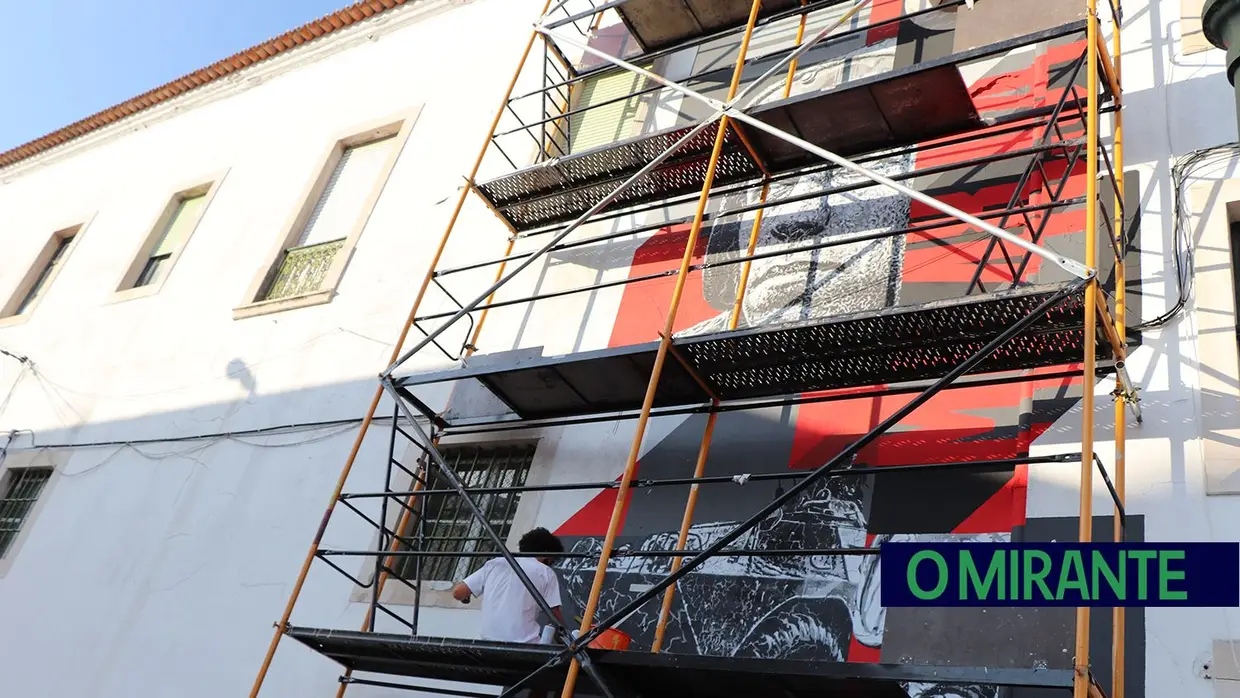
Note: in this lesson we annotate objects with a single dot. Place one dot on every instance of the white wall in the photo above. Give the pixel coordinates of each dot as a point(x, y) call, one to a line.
point(156, 569)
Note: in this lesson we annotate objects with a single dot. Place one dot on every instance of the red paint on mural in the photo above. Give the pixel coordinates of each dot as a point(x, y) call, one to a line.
point(592, 519)
point(644, 304)
point(884, 11)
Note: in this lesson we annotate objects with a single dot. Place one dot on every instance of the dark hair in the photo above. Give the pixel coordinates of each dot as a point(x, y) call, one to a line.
point(540, 540)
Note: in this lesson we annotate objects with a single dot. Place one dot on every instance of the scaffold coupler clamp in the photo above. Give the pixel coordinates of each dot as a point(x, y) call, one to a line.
point(1124, 388)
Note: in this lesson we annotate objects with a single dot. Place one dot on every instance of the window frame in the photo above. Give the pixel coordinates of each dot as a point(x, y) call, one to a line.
point(438, 594)
point(1192, 37)
point(253, 304)
point(1214, 206)
point(17, 297)
point(205, 186)
point(460, 514)
point(42, 460)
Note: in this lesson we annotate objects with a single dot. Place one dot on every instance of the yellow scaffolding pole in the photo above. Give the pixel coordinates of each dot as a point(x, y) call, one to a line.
point(282, 624)
point(1118, 620)
point(617, 512)
point(414, 500)
point(699, 468)
point(1081, 683)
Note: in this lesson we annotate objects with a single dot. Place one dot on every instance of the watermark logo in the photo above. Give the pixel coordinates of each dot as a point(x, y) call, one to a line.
point(1061, 574)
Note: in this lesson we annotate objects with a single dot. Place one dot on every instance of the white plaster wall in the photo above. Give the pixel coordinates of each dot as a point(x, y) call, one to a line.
point(156, 569)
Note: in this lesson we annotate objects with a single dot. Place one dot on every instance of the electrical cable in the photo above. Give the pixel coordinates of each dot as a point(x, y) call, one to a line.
point(1182, 239)
point(232, 435)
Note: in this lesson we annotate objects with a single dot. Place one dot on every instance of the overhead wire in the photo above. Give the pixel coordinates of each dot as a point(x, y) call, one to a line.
point(1182, 236)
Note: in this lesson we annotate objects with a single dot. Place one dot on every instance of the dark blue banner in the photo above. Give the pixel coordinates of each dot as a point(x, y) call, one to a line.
point(1061, 574)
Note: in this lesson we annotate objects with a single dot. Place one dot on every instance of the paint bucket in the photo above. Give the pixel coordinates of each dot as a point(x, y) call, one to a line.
point(611, 639)
point(548, 635)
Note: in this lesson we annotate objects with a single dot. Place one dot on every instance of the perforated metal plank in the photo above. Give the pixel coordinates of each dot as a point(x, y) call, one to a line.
point(921, 102)
point(657, 24)
point(559, 191)
point(895, 345)
point(905, 343)
point(608, 380)
point(689, 676)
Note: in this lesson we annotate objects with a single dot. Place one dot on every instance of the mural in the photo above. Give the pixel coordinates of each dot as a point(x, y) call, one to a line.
point(827, 607)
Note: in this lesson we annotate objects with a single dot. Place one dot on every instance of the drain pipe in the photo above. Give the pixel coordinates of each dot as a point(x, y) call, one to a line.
point(1220, 21)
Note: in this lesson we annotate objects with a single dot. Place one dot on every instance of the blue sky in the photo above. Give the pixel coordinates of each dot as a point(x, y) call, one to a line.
point(62, 60)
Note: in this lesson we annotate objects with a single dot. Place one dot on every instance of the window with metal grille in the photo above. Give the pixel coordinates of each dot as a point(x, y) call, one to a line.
point(21, 490)
point(448, 527)
point(305, 264)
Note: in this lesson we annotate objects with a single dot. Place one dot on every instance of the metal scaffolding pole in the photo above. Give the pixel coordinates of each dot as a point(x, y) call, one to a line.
point(1118, 619)
point(665, 343)
point(699, 468)
point(1080, 659)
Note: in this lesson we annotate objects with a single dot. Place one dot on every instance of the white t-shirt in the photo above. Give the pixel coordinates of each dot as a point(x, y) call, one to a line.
point(509, 612)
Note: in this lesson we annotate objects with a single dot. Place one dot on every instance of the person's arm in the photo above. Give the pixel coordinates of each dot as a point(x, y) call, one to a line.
point(471, 585)
point(551, 592)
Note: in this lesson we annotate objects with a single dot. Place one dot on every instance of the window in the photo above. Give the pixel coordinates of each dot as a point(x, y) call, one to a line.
point(1235, 273)
point(1192, 38)
point(448, 525)
point(20, 490)
point(32, 289)
point(305, 263)
point(614, 118)
point(169, 237)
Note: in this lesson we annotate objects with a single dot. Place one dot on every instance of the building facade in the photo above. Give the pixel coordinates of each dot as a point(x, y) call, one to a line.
point(196, 297)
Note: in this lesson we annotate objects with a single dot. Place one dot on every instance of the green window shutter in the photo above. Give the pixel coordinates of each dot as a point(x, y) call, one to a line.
point(612, 122)
point(180, 224)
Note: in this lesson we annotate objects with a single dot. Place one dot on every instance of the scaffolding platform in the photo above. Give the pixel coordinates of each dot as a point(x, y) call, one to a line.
point(657, 24)
point(649, 674)
point(894, 109)
point(895, 345)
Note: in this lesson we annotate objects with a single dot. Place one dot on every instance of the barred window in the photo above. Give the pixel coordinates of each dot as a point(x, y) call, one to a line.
point(20, 490)
point(448, 527)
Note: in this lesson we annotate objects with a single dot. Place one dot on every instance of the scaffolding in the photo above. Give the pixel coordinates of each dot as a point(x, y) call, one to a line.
point(1063, 325)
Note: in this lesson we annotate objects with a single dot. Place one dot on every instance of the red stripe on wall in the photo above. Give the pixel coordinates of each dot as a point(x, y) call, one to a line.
point(882, 11)
point(643, 305)
point(592, 519)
